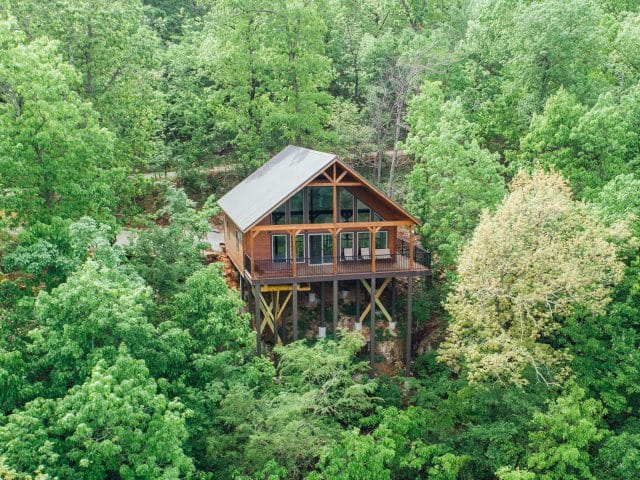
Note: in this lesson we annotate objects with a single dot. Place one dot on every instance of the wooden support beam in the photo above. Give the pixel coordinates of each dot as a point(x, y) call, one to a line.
point(335, 250)
point(393, 299)
point(322, 304)
point(256, 303)
point(335, 309)
point(318, 183)
point(342, 175)
point(295, 310)
point(328, 226)
point(378, 301)
point(294, 258)
point(372, 329)
point(407, 365)
point(358, 301)
point(412, 242)
point(374, 231)
point(327, 176)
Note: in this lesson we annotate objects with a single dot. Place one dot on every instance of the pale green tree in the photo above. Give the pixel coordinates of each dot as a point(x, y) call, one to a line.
point(532, 262)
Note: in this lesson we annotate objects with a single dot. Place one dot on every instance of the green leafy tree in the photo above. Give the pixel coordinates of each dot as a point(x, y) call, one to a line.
point(113, 425)
point(55, 157)
point(357, 457)
point(526, 267)
point(454, 178)
point(117, 55)
point(85, 320)
point(560, 440)
point(165, 256)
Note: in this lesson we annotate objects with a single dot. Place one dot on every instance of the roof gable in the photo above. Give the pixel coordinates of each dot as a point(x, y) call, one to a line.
point(281, 177)
point(273, 182)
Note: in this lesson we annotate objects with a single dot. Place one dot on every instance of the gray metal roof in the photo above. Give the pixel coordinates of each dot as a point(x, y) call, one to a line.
point(272, 183)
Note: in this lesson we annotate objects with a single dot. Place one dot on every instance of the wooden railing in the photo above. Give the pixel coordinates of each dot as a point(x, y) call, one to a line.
point(400, 261)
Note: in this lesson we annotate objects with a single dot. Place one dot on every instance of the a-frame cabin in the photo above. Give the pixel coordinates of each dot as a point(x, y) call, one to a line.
point(306, 217)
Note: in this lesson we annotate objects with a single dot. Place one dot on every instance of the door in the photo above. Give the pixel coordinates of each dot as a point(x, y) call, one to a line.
point(279, 250)
point(320, 248)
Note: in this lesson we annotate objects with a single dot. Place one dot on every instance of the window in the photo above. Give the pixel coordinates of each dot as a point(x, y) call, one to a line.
point(346, 205)
point(364, 212)
point(320, 205)
point(382, 240)
point(364, 241)
point(346, 242)
point(278, 216)
point(238, 237)
point(377, 218)
point(279, 248)
point(296, 208)
point(300, 248)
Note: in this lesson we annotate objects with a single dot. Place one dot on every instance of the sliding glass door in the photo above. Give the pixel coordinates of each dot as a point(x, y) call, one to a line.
point(320, 248)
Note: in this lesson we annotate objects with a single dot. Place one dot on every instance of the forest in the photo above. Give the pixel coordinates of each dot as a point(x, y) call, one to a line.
point(510, 128)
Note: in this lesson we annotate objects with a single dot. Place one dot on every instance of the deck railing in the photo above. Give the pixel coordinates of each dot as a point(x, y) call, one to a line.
point(318, 266)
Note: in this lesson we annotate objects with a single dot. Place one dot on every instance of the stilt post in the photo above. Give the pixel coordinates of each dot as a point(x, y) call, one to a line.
point(357, 300)
point(407, 366)
point(322, 304)
point(295, 310)
point(335, 309)
point(256, 302)
point(372, 331)
point(393, 299)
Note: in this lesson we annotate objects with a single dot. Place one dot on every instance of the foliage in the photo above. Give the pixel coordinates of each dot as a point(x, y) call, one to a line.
point(55, 157)
point(454, 179)
point(141, 364)
point(166, 256)
point(533, 261)
point(114, 424)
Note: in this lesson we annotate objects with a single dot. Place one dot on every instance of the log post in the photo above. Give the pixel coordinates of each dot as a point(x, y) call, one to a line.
point(407, 366)
point(372, 331)
point(256, 301)
point(295, 310)
point(357, 300)
point(294, 252)
point(393, 299)
point(412, 242)
point(335, 309)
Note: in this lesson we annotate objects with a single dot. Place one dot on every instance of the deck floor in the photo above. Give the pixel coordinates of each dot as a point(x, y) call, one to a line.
point(399, 263)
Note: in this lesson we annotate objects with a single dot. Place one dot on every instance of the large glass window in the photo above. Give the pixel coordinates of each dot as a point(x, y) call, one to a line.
point(346, 246)
point(382, 240)
point(364, 245)
point(320, 205)
point(364, 212)
point(279, 248)
point(278, 215)
point(300, 248)
point(346, 206)
point(296, 207)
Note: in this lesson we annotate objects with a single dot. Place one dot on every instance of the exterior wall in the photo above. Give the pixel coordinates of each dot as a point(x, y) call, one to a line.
point(235, 249)
point(262, 241)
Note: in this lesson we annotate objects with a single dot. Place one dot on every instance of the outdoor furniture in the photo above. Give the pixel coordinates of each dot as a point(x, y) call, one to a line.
point(347, 253)
point(383, 254)
point(365, 253)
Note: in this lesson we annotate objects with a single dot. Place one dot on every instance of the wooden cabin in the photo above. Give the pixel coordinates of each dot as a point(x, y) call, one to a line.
point(306, 217)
